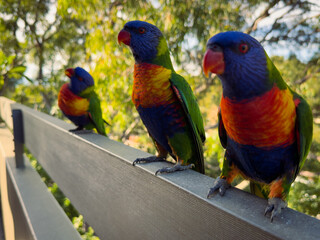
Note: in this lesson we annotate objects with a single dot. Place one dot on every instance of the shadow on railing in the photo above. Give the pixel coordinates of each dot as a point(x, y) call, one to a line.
point(118, 200)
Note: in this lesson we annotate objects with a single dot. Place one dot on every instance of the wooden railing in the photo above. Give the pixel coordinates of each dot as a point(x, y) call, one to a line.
point(118, 200)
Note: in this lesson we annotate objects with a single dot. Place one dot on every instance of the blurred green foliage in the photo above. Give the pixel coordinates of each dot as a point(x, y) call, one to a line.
point(10, 73)
point(49, 36)
point(77, 219)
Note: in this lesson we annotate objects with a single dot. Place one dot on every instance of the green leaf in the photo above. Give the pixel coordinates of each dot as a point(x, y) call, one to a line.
point(10, 59)
point(18, 69)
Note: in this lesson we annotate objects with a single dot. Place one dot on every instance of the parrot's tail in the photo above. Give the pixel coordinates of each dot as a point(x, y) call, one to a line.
point(259, 190)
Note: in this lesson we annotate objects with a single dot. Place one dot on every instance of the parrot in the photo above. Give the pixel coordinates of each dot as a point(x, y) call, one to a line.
point(265, 126)
point(164, 100)
point(79, 102)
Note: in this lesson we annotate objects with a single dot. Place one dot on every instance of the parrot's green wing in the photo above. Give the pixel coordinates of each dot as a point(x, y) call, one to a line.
point(96, 114)
point(222, 131)
point(189, 101)
point(304, 121)
point(192, 111)
point(304, 129)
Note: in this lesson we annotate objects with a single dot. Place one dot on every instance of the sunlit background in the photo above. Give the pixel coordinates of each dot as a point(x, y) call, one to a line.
point(40, 39)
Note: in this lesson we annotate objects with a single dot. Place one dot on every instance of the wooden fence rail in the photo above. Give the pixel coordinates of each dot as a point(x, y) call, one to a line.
point(118, 200)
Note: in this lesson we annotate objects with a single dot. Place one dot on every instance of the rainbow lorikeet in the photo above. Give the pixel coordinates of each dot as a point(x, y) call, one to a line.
point(79, 102)
point(164, 99)
point(264, 125)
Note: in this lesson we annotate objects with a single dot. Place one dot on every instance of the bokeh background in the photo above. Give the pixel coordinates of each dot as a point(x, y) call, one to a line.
point(41, 38)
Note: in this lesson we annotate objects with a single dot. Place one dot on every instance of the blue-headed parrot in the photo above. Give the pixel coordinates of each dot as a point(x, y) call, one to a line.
point(79, 102)
point(265, 127)
point(164, 100)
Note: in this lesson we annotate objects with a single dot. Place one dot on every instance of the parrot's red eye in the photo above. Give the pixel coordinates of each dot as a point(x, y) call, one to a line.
point(80, 79)
point(142, 30)
point(243, 47)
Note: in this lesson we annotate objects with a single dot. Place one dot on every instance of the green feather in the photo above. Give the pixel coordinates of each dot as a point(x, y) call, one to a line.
point(222, 131)
point(274, 75)
point(94, 110)
point(163, 55)
point(96, 114)
point(259, 189)
point(190, 108)
point(193, 114)
point(304, 125)
point(304, 119)
point(87, 92)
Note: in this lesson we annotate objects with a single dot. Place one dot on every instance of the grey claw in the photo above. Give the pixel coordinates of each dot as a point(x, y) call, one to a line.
point(268, 209)
point(219, 184)
point(148, 160)
point(79, 128)
point(271, 218)
point(80, 131)
point(275, 205)
point(156, 173)
point(177, 167)
point(136, 161)
point(211, 192)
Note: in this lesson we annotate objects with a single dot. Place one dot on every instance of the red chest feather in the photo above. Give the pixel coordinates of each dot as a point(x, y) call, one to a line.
point(264, 121)
point(71, 104)
point(151, 86)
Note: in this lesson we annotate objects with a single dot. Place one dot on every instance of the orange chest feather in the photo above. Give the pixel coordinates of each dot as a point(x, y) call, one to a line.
point(71, 104)
point(151, 86)
point(265, 121)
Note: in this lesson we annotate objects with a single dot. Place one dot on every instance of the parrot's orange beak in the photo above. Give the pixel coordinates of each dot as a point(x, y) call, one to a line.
point(69, 72)
point(213, 62)
point(124, 37)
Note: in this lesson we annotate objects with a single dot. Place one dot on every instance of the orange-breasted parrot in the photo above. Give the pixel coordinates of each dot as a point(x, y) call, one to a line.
point(164, 100)
point(79, 102)
point(265, 127)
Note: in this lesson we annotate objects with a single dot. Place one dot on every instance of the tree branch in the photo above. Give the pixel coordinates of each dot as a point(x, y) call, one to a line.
point(307, 77)
point(262, 16)
point(129, 130)
point(56, 21)
point(212, 126)
point(277, 19)
point(302, 21)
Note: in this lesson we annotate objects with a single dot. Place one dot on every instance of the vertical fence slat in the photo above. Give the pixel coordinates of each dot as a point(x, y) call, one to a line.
point(18, 135)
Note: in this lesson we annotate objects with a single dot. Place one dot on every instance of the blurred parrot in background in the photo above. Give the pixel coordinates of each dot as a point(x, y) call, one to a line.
point(79, 102)
point(265, 127)
point(164, 100)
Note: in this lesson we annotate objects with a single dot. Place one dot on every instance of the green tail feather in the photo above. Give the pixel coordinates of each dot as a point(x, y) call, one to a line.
point(260, 190)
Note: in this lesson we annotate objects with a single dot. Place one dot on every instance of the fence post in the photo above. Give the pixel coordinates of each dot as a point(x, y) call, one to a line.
point(18, 135)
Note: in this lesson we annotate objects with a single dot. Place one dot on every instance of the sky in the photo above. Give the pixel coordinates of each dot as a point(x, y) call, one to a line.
point(285, 49)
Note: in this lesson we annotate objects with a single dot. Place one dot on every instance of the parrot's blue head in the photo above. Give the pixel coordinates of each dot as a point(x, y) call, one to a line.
point(145, 41)
point(240, 62)
point(80, 79)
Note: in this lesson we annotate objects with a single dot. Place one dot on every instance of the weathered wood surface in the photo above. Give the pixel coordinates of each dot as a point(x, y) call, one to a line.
point(6, 151)
point(5, 111)
point(34, 211)
point(124, 202)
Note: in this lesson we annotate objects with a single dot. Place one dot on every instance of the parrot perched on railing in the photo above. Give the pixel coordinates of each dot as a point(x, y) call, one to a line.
point(79, 102)
point(164, 100)
point(265, 127)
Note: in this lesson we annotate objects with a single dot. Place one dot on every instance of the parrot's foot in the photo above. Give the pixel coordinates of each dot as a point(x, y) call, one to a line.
point(80, 131)
point(274, 207)
point(149, 160)
point(219, 184)
point(175, 168)
point(79, 128)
